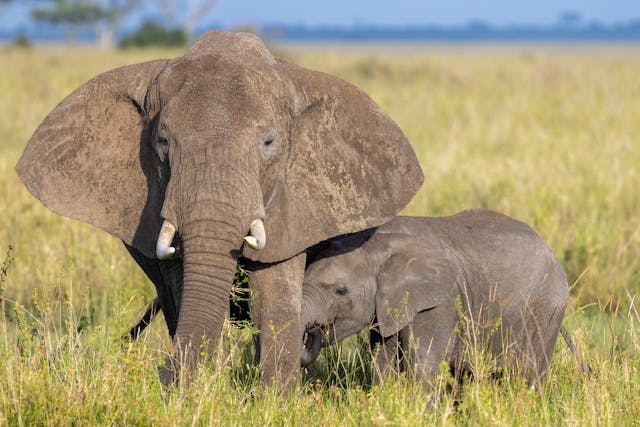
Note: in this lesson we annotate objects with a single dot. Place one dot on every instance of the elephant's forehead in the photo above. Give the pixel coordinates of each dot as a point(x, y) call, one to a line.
point(224, 73)
point(236, 92)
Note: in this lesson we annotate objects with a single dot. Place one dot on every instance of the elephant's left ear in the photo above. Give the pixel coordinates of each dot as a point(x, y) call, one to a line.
point(350, 167)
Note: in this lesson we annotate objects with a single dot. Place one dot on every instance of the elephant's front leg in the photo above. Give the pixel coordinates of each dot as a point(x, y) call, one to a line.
point(277, 312)
point(167, 278)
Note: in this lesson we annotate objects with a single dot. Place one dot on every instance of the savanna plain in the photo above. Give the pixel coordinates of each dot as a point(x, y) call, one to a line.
point(549, 135)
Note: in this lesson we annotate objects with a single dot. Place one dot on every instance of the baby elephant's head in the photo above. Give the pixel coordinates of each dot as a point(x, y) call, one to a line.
point(338, 300)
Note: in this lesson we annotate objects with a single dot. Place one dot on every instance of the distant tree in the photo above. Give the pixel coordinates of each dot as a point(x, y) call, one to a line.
point(153, 34)
point(72, 12)
point(115, 11)
point(105, 17)
point(187, 13)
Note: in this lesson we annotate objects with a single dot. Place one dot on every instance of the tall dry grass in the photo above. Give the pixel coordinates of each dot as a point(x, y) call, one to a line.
point(549, 136)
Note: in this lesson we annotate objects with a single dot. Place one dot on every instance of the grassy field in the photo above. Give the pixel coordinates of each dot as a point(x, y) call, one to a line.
point(549, 136)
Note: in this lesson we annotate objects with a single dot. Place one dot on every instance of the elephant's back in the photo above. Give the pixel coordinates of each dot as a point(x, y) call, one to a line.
point(468, 222)
point(489, 247)
point(511, 258)
point(468, 230)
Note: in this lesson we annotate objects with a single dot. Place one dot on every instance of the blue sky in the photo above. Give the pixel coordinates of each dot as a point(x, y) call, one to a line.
point(230, 13)
point(401, 12)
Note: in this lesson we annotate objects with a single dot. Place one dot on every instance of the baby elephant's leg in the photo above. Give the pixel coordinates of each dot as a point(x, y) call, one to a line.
point(429, 340)
point(538, 331)
point(387, 358)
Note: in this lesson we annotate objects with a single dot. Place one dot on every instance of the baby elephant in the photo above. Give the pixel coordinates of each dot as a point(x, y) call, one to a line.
point(438, 287)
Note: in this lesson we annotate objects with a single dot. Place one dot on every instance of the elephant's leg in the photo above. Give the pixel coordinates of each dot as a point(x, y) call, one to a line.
point(388, 358)
point(153, 309)
point(173, 274)
point(166, 277)
point(540, 328)
point(428, 340)
point(276, 310)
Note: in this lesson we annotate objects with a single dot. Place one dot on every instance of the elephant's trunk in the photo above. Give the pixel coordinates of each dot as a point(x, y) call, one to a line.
point(209, 267)
point(315, 340)
point(315, 307)
point(213, 209)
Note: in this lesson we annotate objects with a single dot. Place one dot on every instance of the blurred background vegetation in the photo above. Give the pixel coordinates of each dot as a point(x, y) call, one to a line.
point(105, 19)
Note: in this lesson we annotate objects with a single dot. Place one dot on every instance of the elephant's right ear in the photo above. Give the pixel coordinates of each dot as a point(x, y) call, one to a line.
point(87, 159)
point(349, 166)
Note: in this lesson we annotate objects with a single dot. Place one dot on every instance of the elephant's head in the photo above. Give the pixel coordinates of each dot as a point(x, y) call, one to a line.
point(220, 143)
point(339, 291)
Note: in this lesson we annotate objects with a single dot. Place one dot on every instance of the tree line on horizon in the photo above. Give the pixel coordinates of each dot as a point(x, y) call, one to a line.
point(105, 17)
point(180, 20)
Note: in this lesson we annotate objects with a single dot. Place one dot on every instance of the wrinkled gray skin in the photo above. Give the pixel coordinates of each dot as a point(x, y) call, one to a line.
point(406, 276)
point(210, 142)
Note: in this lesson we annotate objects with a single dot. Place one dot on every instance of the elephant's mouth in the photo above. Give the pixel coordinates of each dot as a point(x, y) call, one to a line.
point(317, 330)
point(166, 248)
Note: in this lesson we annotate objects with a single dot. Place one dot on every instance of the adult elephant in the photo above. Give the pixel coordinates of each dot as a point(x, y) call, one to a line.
point(222, 144)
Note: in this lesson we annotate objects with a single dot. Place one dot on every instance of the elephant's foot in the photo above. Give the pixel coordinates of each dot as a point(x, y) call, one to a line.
point(180, 366)
point(169, 373)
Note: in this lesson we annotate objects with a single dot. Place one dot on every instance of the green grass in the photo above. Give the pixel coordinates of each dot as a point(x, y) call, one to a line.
point(549, 136)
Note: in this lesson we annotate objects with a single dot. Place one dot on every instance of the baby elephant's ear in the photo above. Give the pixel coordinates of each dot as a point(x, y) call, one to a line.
point(415, 279)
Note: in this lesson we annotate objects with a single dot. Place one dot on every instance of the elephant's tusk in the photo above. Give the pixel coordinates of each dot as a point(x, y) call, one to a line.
point(164, 250)
point(257, 237)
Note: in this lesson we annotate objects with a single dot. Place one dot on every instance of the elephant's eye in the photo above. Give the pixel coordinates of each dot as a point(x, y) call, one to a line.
point(342, 290)
point(268, 148)
point(162, 147)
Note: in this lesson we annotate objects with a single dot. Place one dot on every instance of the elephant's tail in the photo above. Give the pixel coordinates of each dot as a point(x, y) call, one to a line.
point(584, 366)
point(147, 318)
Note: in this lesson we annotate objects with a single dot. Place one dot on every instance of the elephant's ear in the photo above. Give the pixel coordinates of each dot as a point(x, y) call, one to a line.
point(416, 278)
point(87, 161)
point(350, 167)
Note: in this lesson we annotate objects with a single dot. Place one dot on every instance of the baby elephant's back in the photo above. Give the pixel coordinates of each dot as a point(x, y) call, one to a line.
point(499, 261)
point(505, 254)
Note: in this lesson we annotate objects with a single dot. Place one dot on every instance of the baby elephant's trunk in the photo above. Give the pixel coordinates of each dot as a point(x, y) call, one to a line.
point(314, 341)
